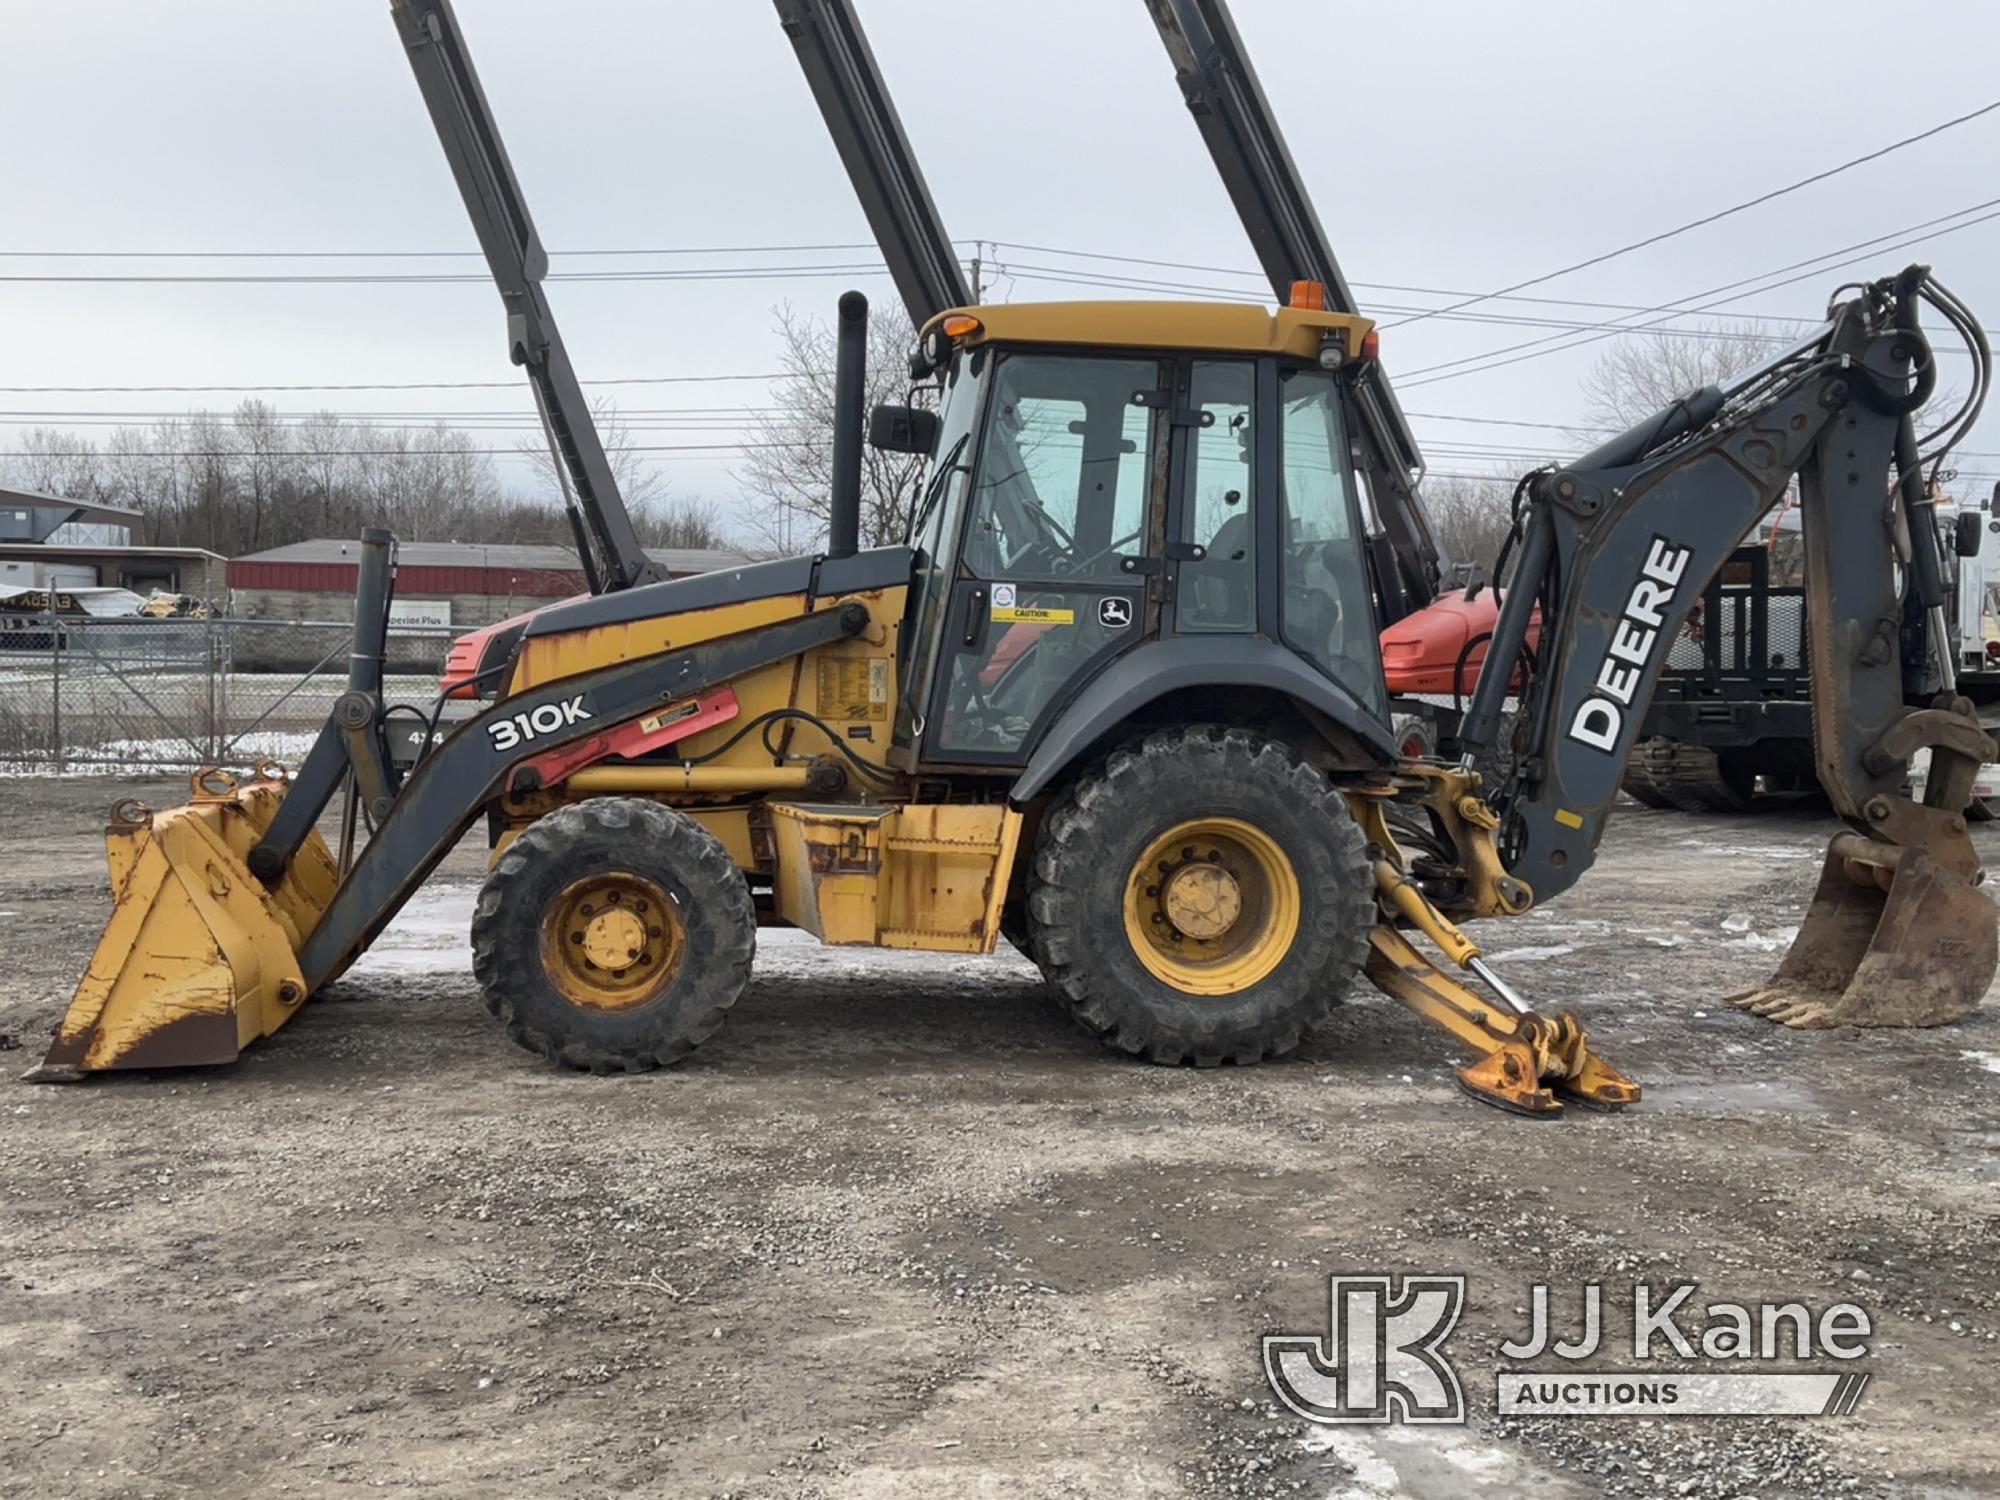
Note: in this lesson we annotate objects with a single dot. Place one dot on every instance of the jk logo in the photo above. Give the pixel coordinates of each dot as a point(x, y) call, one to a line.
point(1379, 1360)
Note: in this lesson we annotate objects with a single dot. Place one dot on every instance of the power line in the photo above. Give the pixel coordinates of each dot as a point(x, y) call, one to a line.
point(1706, 219)
point(408, 385)
point(255, 453)
point(1678, 307)
point(1379, 286)
point(636, 251)
point(424, 254)
point(461, 278)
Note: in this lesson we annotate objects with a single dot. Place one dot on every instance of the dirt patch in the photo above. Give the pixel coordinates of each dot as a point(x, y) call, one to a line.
point(903, 1230)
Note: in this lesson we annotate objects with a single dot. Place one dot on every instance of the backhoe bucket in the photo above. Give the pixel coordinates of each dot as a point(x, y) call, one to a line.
point(199, 958)
point(1893, 938)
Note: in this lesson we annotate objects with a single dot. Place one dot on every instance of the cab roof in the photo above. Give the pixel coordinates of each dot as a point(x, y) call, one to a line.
point(1231, 327)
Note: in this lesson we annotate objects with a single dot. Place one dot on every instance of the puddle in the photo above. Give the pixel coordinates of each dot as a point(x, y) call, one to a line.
point(430, 935)
point(1729, 1099)
point(1529, 955)
point(1761, 942)
point(1423, 1463)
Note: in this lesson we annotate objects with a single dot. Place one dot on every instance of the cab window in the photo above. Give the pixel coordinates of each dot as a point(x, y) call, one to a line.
point(1326, 613)
point(1217, 592)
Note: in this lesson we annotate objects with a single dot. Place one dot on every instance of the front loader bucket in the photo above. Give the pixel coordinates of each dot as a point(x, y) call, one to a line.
point(1893, 938)
point(199, 958)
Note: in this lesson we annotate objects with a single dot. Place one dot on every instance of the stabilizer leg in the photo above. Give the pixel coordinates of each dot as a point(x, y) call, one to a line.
point(1530, 1063)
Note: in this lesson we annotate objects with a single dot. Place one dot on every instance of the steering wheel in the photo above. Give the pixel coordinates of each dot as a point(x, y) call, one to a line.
point(1064, 568)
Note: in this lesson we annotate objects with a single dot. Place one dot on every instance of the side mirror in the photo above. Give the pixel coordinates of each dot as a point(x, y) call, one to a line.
point(903, 429)
point(1970, 529)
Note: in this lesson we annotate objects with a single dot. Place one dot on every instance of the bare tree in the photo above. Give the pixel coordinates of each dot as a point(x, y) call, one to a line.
point(660, 519)
point(691, 522)
point(788, 469)
point(1641, 373)
point(639, 480)
point(1471, 515)
point(52, 462)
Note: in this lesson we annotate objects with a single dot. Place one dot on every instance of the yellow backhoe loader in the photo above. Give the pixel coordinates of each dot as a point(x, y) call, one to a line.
point(1118, 697)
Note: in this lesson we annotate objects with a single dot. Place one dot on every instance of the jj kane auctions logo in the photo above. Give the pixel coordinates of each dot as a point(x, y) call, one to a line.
point(1383, 1358)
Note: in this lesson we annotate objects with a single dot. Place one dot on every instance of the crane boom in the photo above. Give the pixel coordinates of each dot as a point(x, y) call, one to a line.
point(840, 68)
point(609, 547)
point(1235, 120)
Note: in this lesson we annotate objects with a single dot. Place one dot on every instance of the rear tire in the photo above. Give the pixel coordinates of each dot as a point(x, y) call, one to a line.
point(1416, 736)
point(1246, 844)
point(615, 881)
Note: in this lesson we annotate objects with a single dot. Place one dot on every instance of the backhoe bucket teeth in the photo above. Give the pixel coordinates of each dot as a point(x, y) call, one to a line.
point(199, 958)
point(1893, 938)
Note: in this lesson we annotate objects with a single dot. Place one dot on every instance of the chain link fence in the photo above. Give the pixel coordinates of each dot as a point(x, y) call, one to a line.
point(79, 693)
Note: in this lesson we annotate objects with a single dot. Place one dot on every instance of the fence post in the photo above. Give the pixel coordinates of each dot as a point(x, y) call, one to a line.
point(219, 670)
point(215, 685)
point(55, 688)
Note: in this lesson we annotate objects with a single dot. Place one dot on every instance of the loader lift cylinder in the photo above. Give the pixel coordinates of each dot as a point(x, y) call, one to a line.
point(850, 375)
point(374, 587)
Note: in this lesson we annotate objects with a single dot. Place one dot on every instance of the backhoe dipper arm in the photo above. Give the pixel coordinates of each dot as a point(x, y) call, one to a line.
point(833, 50)
point(610, 549)
point(1617, 547)
point(1242, 135)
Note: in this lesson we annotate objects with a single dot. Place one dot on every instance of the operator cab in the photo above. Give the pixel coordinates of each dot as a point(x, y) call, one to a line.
point(1108, 475)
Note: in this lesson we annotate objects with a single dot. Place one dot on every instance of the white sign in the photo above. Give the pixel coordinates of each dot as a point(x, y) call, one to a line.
point(409, 614)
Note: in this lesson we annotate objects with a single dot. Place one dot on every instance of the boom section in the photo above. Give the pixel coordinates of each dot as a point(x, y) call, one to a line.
point(1263, 182)
point(609, 546)
point(867, 133)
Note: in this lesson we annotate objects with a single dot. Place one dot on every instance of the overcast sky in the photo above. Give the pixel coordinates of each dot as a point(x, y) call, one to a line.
point(1454, 147)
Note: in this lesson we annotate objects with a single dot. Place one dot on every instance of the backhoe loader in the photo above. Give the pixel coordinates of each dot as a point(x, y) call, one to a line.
point(1118, 697)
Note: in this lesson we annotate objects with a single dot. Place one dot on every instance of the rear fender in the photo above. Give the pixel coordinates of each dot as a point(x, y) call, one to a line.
point(1179, 663)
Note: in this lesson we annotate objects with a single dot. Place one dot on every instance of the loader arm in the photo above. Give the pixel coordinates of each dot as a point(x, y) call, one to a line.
point(1617, 547)
point(605, 539)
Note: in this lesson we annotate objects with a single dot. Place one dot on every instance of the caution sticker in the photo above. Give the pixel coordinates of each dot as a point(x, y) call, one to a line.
point(852, 687)
point(1013, 616)
point(673, 713)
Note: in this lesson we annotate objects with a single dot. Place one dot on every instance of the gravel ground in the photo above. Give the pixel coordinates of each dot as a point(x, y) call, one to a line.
point(902, 1230)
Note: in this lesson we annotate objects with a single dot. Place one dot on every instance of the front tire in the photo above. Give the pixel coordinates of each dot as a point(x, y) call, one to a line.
point(614, 935)
point(1203, 896)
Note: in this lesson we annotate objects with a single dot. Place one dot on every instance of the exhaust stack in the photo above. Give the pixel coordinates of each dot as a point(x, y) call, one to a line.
point(850, 374)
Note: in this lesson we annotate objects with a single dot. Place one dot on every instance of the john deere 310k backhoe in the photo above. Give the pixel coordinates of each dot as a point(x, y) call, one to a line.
point(1118, 696)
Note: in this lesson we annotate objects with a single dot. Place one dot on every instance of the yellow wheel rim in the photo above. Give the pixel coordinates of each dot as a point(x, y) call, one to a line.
point(612, 941)
point(1212, 906)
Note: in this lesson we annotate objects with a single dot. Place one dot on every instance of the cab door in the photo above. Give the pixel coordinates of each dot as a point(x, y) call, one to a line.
point(1066, 520)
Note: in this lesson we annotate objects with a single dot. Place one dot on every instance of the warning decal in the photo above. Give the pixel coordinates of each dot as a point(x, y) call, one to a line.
point(1035, 616)
point(854, 687)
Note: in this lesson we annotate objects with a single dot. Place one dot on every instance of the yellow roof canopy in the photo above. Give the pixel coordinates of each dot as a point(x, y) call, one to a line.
point(1232, 327)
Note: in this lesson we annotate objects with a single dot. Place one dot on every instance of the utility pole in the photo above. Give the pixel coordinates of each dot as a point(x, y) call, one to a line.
point(978, 287)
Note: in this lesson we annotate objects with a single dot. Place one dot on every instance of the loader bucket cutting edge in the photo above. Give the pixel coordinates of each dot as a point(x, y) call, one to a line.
point(199, 958)
point(1893, 937)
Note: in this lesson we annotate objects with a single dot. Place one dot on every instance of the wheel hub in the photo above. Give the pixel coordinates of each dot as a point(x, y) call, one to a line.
point(611, 941)
point(1212, 905)
point(614, 939)
point(1203, 901)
